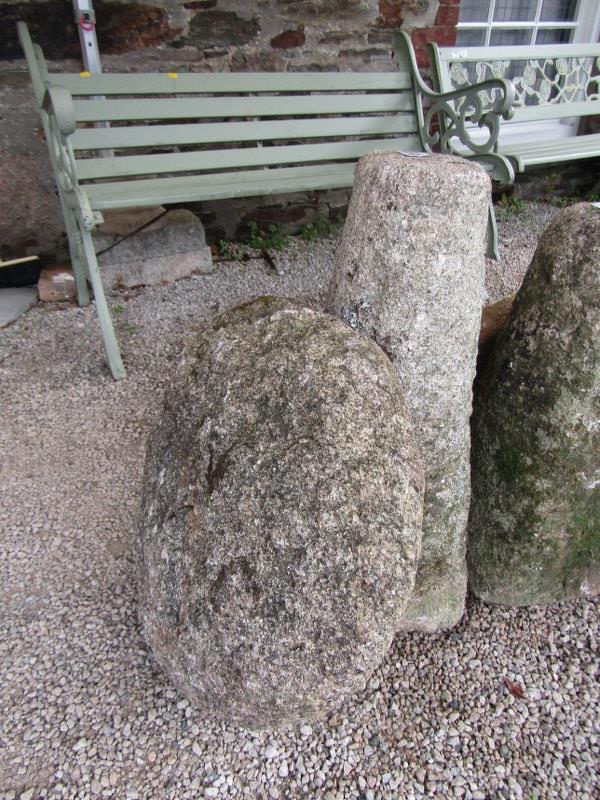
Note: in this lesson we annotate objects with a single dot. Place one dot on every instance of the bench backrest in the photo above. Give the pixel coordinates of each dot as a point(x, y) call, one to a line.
point(550, 81)
point(168, 123)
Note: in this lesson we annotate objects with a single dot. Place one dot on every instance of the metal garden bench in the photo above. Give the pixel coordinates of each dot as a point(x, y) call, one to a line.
point(551, 82)
point(203, 136)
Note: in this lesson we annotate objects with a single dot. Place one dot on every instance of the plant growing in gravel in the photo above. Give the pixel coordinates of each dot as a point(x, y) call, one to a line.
point(309, 232)
point(118, 309)
point(225, 249)
point(271, 239)
point(511, 204)
point(327, 227)
point(570, 200)
point(322, 226)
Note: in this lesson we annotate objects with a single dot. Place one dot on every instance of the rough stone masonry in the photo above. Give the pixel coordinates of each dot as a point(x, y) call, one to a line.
point(410, 273)
point(282, 511)
point(534, 529)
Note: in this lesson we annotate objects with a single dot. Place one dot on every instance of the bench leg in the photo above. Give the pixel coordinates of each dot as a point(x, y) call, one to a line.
point(492, 234)
point(77, 260)
point(108, 332)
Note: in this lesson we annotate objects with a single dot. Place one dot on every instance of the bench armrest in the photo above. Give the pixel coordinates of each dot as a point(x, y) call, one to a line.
point(452, 110)
point(58, 116)
point(58, 103)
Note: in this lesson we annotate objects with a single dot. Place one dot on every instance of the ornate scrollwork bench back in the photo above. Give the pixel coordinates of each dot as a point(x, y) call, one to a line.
point(552, 84)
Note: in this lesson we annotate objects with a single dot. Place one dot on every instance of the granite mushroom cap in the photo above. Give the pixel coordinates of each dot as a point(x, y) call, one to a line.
point(281, 516)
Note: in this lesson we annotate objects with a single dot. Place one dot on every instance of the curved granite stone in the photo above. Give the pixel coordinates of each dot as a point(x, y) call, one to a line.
point(281, 517)
point(534, 528)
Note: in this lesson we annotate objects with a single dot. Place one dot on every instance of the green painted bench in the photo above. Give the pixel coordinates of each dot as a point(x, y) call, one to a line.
point(203, 136)
point(555, 87)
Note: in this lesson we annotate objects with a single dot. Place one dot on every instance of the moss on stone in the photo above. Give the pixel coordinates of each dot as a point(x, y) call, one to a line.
point(534, 525)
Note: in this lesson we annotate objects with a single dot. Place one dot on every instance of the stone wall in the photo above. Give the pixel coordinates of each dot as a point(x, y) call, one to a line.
point(198, 35)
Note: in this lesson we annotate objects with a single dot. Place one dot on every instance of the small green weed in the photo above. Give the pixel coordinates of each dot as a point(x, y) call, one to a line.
point(511, 204)
point(570, 200)
point(271, 239)
point(225, 249)
point(118, 309)
point(309, 232)
point(563, 202)
point(322, 226)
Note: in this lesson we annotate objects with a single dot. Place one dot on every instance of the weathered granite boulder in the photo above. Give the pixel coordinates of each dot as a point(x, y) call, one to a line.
point(410, 273)
point(169, 249)
point(534, 529)
point(281, 517)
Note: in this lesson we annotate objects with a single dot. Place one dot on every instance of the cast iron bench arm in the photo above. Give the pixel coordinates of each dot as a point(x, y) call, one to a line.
point(457, 108)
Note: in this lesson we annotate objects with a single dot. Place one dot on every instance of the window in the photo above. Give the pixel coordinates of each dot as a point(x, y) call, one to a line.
point(484, 23)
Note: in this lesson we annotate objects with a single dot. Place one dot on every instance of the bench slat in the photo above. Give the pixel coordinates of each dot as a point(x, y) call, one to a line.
point(547, 152)
point(281, 106)
point(129, 166)
point(230, 83)
point(205, 133)
point(187, 189)
point(517, 52)
point(556, 111)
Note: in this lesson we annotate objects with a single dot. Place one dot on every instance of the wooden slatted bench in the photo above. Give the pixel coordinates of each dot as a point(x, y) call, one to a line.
point(203, 136)
point(551, 82)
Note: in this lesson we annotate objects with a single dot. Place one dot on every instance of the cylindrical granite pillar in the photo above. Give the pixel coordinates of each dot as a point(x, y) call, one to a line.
point(410, 273)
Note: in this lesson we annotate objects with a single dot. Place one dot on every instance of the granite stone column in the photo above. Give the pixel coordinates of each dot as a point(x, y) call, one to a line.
point(410, 273)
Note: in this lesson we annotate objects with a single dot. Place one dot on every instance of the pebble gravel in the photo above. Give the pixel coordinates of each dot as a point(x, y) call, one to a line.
point(503, 707)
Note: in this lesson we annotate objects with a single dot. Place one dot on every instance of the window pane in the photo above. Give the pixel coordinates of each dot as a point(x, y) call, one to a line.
point(559, 11)
point(554, 36)
point(515, 10)
point(474, 11)
point(467, 38)
point(509, 37)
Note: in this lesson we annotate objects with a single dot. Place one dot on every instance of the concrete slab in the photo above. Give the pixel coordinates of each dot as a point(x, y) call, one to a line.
point(14, 302)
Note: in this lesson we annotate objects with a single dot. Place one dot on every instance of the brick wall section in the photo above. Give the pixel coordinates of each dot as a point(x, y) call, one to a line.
point(397, 13)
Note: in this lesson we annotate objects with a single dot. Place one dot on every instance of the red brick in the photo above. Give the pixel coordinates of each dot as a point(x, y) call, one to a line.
point(422, 57)
point(444, 35)
point(390, 13)
point(288, 39)
point(447, 15)
point(421, 36)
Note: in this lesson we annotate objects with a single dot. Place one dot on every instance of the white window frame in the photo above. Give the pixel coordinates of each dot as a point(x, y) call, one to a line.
point(586, 28)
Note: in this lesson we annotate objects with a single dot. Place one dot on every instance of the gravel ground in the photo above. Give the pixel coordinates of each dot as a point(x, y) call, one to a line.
point(84, 710)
